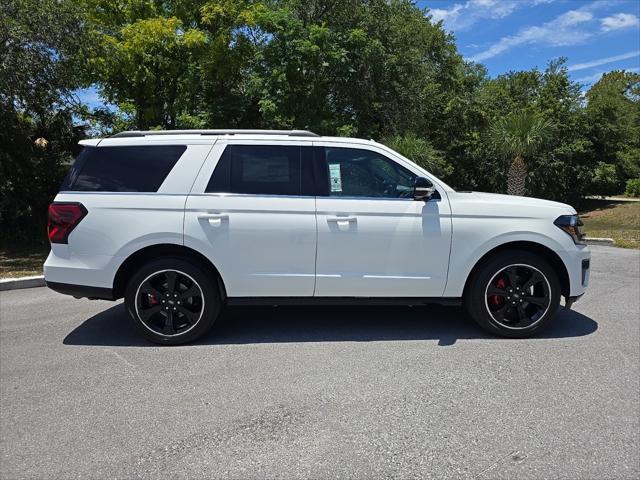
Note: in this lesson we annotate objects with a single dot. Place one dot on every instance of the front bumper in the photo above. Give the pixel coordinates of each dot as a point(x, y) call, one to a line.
point(578, 264)
point(569, 301)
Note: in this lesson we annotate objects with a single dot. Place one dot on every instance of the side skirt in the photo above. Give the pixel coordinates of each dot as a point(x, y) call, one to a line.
point(343, 301)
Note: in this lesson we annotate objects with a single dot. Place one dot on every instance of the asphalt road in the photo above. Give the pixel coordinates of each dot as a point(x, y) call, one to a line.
point(324, 392)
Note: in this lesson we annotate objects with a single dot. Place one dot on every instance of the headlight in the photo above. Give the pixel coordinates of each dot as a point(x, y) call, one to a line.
point(573, 226)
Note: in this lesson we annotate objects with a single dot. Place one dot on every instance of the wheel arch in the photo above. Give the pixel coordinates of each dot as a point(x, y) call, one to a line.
point(140, 257)
point(545, 252)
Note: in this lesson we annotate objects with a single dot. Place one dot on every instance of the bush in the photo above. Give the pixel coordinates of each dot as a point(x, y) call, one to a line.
point(605, 180)
point(633, 187)
point(420, 151)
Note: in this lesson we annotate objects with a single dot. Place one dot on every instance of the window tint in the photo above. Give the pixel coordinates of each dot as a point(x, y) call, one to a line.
point(259, 170)
point(351, 172)
point(122, 169)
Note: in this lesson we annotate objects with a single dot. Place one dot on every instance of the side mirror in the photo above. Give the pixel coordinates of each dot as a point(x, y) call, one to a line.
point(423, 189)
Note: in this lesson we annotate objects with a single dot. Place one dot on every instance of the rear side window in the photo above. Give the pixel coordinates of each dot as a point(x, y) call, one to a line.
point(122, 169)
point(262, 170)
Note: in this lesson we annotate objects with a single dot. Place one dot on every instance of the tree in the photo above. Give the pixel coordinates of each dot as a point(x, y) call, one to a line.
point(613, 112)
point(39, 43)
point(519, 135)
point(421, 152)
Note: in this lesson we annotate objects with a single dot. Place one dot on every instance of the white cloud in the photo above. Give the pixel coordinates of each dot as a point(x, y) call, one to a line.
point(596, 76)
point(564, 30)
point(603, 61)
point(461, 16)
point(618, 21)
point(446, 15)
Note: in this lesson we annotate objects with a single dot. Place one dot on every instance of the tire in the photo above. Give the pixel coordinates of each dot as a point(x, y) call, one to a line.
point(513, 294)
point(172, 301)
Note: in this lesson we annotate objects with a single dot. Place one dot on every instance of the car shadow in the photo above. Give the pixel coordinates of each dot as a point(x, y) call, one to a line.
point(251, 325)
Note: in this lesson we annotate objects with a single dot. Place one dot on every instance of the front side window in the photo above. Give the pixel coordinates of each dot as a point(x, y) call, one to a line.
point(261, 170)
point(351, 172)
point(122, 169)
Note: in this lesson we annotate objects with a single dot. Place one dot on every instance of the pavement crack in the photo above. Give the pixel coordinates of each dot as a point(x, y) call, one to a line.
point(500, 459)
point(121, 358)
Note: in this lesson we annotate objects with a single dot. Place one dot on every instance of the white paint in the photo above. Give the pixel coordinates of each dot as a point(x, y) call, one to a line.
point(270, 245)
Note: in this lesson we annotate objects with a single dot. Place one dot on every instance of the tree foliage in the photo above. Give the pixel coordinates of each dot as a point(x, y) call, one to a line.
point(519, 135)
point(39, 45)
point(374, 69)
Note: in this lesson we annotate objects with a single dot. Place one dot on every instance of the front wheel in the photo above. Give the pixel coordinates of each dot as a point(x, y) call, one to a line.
point(514, 294)
point(172, 301)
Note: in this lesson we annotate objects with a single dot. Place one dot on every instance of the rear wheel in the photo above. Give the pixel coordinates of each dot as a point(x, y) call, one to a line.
point(513, 294)
point(172, 301)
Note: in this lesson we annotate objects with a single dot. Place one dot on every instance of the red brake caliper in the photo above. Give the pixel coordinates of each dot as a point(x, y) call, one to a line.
point(497, 300)
point(152, 299)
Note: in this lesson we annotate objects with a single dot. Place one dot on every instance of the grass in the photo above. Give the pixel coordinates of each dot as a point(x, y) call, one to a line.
point(612, 219)
point(22, 260)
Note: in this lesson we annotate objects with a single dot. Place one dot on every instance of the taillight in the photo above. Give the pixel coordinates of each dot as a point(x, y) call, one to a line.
point(63, 218)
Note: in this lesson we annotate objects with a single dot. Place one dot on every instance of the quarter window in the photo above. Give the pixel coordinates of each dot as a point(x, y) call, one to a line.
point(122, 169)
point(351, 172)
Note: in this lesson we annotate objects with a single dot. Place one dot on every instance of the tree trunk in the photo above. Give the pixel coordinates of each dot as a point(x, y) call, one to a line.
point(517, 177)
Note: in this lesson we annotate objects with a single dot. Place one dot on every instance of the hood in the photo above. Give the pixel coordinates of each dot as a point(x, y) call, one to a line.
point(494, 203)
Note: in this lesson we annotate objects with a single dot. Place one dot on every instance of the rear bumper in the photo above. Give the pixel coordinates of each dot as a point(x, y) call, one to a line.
point(67, 273)
point(82, 291)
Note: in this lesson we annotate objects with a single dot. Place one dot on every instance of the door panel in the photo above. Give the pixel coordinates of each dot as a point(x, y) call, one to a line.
point(374, 240)
point(262, 246)
point(382, 248)
point(256, 219)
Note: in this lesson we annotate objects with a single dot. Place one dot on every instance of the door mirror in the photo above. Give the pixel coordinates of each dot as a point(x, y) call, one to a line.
point(423, 189)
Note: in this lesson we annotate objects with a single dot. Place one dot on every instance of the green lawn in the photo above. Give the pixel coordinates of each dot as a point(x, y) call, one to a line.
point(613, 219)
point(22, 261)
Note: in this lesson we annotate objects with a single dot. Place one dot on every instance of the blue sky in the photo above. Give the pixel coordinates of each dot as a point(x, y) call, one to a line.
point(504, 35)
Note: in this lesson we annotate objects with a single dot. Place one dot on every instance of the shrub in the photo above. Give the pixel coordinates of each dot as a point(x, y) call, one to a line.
point(633, 187)
point(420, 151)
point(605, 180)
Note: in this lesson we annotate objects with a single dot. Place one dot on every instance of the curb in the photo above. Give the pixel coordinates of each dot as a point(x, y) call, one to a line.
point(23, 282)
point(600, 241)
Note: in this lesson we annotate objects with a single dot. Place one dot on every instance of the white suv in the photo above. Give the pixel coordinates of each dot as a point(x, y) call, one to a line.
point(180, 223)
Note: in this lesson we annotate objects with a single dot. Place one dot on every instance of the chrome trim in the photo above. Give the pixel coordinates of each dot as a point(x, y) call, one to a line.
point(149, 133)
point(319, 197)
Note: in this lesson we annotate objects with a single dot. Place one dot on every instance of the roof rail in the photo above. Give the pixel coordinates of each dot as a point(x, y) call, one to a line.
point(145, 133)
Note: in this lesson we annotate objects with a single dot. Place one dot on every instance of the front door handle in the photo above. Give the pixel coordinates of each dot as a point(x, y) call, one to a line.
point(342, 221)
point(214, 218)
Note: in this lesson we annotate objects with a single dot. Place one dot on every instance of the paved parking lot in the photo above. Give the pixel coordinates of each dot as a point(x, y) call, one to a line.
point(324, 392)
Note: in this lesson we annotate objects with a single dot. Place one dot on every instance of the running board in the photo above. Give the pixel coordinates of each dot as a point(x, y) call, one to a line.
point(344, 301)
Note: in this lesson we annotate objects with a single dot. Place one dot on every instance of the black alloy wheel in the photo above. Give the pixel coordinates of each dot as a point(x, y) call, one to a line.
point(514, 293)
point(173, 300)
point(169, 302)
point(518, 296)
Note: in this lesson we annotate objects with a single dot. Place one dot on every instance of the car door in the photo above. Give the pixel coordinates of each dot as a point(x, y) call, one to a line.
point(252, 213)
point(374, 239)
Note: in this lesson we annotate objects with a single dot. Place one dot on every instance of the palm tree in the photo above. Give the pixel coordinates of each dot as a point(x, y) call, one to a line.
point(519, 135)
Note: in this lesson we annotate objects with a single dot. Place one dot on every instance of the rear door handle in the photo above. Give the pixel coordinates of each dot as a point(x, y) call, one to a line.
point(342, 220)
point(214, 218)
